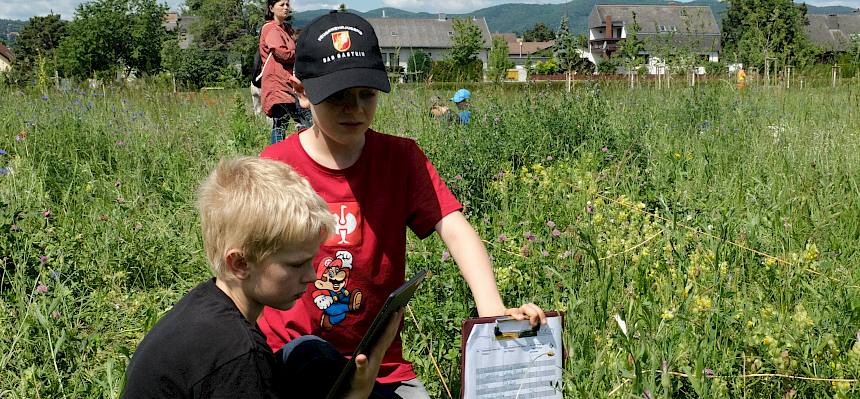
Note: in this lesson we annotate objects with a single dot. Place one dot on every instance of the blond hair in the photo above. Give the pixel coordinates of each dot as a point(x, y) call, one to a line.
point(258, 206)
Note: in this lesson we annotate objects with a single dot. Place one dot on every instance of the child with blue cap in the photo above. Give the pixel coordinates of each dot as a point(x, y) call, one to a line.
point(461, 98)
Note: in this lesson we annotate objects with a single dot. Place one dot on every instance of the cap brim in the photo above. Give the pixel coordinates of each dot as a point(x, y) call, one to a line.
point(320, 88)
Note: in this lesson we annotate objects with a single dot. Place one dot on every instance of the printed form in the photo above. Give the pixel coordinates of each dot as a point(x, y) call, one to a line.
point(515, 368)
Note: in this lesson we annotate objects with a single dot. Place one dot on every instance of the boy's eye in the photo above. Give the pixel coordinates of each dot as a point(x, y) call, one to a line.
point(367, 93)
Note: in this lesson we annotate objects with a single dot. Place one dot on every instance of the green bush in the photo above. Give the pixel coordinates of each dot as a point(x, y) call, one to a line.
point(449, 71)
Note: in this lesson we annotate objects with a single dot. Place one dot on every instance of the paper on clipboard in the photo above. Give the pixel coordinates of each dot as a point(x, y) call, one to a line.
point(508, 359)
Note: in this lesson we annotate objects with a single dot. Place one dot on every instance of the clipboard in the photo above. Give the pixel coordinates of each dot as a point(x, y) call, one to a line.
point(507, 358)
point(395, 301)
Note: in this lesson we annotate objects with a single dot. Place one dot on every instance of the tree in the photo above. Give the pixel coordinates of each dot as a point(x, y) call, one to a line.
point(37, 43)
point(538, 33)
point(498, 59)
point(631, 47)
point(566, 51)
point(466, 42)
point(419, 65)
point(107, 36)
point(758, 31)
point(229, 27)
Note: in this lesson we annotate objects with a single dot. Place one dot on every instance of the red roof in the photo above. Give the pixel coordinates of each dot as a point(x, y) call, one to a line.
point(515, 47)
point(6, 53)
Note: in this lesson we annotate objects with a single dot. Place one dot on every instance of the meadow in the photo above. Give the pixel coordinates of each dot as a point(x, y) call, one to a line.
point(723, 228)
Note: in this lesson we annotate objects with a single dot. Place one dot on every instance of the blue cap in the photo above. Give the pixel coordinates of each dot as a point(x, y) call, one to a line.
point(461, 95)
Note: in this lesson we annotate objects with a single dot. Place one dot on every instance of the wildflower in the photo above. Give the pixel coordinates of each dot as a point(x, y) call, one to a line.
point(564, 255)
point(677, 155)
point(3, 152)
point(529, 236)
point(667, 314)
point(708, 372)
point(4, 171)
point(503, 237)
point(120, 143)
point(556, 232)
point(544, 253)
point(549, 158)
point(19, 138)
point(45, 98)
point(47, 213)
point(458, 177)
point(604, 149)
point(14, 227)
point(41, 288)
point(768, 341)
point(445, 256)
point(55, 275)
point(55, 314)
point(43, 259)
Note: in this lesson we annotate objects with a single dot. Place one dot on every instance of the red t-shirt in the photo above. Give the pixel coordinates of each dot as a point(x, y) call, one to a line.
point(392, 185)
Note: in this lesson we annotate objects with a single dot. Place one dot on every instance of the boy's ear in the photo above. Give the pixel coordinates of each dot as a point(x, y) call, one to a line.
point(236, 263)
point(299, 88)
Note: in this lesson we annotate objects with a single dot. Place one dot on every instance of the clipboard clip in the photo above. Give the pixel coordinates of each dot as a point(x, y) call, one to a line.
point(510, 328)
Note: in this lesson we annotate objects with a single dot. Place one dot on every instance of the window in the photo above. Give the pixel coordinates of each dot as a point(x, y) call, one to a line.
point(393, 33)
point(450, 33)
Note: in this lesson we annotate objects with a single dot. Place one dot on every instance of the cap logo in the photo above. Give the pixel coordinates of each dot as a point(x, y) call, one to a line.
point(340, 40)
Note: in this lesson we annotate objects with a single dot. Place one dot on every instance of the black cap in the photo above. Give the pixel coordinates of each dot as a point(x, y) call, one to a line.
point(339, 51)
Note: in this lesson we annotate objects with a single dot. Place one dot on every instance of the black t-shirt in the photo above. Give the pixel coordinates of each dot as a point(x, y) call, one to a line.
point(202, 348)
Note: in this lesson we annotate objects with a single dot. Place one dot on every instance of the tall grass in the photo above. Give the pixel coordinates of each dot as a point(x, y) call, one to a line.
point(723, 227)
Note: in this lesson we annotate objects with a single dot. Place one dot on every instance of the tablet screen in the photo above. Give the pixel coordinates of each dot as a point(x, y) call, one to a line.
point(398, 299)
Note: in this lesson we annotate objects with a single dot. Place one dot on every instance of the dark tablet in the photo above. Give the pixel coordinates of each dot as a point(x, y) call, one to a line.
point(398, 299)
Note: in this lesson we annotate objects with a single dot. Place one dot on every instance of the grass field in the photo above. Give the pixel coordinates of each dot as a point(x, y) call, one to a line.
point(724, 228)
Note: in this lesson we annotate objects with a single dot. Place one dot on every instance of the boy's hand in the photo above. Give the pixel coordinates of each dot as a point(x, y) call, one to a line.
point(367, 367)
point(528, 311)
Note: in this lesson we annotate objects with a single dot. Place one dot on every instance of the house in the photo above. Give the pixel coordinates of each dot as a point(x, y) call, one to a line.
point(181, 25)
point(6, 58)
point(662, 29)
point(400, 37)
point(833, 33)
point(519, 52)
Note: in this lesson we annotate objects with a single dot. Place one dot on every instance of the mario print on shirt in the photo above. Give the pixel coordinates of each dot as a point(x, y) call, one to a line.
point(331, 295)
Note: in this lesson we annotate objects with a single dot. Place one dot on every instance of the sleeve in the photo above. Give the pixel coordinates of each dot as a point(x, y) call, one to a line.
point(281, 47)
point(282, 326)
point(247, 376)
point(429, 198)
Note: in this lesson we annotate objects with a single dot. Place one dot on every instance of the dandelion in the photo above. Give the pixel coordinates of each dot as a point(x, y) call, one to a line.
point(445, 256)
point(43, 259)
point(550, 223)
point(503, 237)
point(556, 232)
point(41, 288)
point(529, 236)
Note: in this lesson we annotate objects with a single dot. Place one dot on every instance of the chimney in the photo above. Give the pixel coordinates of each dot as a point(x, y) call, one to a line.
point(442, 16)
point(607, 32)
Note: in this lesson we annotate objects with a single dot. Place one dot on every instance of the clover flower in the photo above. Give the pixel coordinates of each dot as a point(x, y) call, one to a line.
point(42, 288)
point(550, 223)
point(556, 232)
point(503, 237)
point(43, 259)
point(529, 236)
point(445, 256)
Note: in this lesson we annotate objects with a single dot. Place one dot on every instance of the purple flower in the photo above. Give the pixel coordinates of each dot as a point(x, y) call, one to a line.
point(4, 171)
point(529, 236)
point(41, 288)
point(708, 372)
point(549, 158)
point(3, 152)
point(445, 256)
point(45, 98)
point(550, 223)
point(556, 232)
point(604, 149)
point(55, 275)
point(504, 238)
point(544, 253)
point(47, 213)
point(589, 209)
point(43, 259)
point(458, 177)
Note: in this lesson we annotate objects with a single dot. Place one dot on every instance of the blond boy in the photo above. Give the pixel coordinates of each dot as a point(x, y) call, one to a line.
point(262, 225)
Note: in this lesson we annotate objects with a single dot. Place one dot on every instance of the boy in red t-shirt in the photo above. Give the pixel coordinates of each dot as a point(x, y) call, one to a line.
point(375, 185)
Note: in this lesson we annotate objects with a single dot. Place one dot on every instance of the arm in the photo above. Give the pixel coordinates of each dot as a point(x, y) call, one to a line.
point(474, 262)
point(279, 47)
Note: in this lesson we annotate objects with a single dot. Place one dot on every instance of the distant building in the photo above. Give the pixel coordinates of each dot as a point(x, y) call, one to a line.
point(6, 58)
point(833, 33)
point(181, 25)
point(400, 37)
point(685, 28)
point(519, 51)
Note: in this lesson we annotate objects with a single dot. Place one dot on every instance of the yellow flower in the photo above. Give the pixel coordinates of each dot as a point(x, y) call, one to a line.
point(768, 341)
point(677, 155)
point(667, 315)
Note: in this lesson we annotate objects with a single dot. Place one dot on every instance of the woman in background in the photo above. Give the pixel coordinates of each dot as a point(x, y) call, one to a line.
point(278, 52)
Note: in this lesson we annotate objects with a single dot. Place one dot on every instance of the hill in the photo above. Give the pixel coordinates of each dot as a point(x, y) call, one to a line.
point(519, 17)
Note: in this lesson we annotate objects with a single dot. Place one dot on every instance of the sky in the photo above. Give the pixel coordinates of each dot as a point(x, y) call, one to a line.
point(24, 9)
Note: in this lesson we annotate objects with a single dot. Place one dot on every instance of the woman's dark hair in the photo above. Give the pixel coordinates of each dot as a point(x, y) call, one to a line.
point(288, 25)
